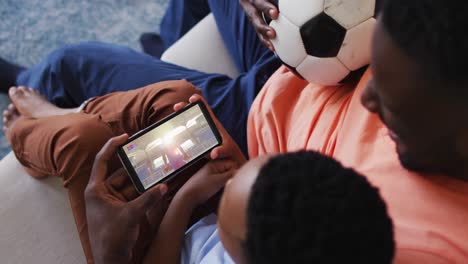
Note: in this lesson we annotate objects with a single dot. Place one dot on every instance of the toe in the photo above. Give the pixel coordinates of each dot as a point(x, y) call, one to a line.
point(34, 91)
point(22, 90)
point(16, 92)
point(12, 91)
point(11, 107)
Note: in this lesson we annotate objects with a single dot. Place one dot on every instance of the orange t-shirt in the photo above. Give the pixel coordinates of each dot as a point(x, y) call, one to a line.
point(430, 213)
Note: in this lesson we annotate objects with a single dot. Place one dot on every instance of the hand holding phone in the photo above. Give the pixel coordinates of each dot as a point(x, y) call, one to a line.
point(106, 213)
point(206, 182)
point(163, 150)
point(229, 149)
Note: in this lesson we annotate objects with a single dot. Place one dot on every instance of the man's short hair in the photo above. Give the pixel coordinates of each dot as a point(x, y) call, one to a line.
point(308, 208)
point(434, 34)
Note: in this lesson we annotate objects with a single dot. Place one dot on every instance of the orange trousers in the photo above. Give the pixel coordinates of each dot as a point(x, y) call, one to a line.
point(65, 146)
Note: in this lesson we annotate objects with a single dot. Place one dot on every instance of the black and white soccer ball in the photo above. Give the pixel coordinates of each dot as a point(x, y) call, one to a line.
point(323, 41)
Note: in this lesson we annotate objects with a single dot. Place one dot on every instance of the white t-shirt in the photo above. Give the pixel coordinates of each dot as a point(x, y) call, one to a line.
point(202, 244)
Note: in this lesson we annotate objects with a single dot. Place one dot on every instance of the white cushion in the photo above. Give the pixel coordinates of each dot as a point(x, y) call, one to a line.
point(203, 49)
point(37, 225)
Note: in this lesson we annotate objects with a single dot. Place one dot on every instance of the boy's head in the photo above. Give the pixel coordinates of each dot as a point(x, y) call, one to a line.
point(303, 208)
point(420, 85)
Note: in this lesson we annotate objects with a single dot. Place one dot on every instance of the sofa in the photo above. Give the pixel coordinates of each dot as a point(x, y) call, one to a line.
point(37, 224)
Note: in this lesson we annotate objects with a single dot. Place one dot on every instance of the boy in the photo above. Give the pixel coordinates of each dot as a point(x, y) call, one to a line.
point(293, 208)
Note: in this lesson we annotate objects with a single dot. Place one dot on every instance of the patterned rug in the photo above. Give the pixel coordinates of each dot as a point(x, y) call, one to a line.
point(30, 29)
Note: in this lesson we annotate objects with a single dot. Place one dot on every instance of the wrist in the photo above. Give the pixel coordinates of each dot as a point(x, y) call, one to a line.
point(185, 200)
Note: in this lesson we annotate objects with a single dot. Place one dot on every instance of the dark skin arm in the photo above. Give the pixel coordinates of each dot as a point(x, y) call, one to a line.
point(114, 224)
point(167, 245)
point(254, 9)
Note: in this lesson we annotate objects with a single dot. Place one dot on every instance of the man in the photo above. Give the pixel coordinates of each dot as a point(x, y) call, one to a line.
point(415, 102)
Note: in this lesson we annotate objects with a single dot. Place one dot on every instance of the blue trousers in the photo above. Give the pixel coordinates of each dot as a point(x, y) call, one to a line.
point(74, 73)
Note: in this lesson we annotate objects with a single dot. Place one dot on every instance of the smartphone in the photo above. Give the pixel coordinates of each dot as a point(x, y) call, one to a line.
point(168, 147)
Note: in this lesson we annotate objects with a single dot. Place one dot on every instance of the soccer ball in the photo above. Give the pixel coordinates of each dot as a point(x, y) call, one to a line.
point(323, 41)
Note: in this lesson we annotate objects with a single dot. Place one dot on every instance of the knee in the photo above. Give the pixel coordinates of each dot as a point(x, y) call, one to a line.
point(79, 141)
point(182, 91)
point(62, 54)
point(163, 96)
point(190, 89)
point(176, 92)
point(71, 54)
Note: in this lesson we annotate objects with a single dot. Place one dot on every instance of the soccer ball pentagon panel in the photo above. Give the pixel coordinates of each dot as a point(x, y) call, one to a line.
point(323, 41)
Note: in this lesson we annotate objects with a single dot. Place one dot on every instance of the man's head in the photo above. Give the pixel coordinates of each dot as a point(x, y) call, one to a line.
point(303, 208)
point(420, 85)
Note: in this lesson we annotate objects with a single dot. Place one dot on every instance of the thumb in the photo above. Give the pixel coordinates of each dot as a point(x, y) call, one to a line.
point(220, 152)
point(148, 199)
point(99, 170)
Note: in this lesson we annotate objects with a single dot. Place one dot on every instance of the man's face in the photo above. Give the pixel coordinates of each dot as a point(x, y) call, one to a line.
point(424, 126)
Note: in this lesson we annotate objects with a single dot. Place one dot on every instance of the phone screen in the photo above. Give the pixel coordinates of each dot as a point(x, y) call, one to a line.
point(160, 151)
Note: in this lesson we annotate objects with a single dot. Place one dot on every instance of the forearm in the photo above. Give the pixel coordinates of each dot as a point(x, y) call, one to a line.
point(167, 245)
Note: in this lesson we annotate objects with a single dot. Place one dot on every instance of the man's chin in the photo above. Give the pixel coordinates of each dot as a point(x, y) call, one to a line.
point(424, 163)
point(417, 165)
point(410, 163)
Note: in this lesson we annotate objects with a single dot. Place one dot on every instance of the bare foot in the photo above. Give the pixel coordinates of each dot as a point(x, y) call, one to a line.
point(30, 103)
point(10, 116)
